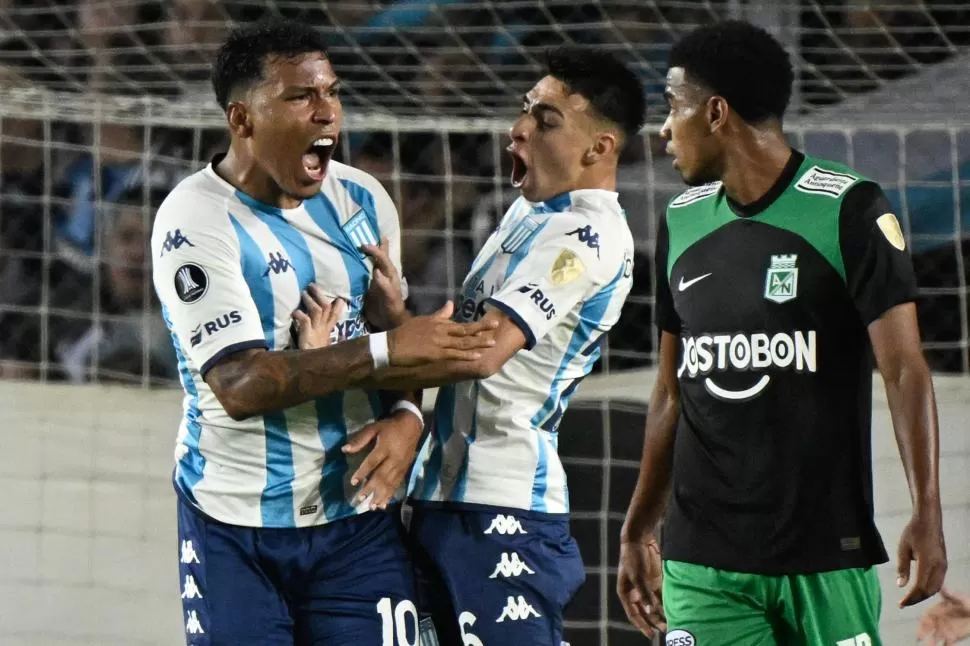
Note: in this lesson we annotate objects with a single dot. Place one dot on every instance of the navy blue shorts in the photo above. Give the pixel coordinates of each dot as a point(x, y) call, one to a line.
point(347, 583)
point(502, 576)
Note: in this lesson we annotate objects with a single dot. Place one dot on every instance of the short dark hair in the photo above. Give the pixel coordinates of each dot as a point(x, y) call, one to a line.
point(613, 89)
point(742, 63)
point(241, 58)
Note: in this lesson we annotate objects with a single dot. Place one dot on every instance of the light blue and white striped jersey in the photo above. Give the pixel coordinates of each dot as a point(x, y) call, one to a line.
point(561, 270)
point(229, 272)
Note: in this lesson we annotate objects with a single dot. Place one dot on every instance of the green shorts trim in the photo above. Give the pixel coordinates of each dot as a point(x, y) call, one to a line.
point(710, 607)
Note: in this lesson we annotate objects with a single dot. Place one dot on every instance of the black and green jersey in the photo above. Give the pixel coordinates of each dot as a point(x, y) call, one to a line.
point(771, 301)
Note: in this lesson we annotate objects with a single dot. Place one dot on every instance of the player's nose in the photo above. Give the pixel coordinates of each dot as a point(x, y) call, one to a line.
point(325, 112)
point(665, 130)
point(520, 129)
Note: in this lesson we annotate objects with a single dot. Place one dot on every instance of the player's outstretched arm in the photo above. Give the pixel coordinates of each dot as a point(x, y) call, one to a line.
point(508, 339)
point(256, 381)
point(912, 405)
point(639, 576)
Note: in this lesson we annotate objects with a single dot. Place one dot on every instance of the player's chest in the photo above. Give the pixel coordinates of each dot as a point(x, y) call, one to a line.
point(499, 257)
point(738, 283)
point(281, 257)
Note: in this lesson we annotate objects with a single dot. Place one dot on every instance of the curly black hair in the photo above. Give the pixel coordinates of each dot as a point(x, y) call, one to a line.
point(742, 63)
point(240, 60)
point(613, 89)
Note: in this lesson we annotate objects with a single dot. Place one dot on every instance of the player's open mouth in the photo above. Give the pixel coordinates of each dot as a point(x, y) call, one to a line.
point(317, 156)
point(519, 169)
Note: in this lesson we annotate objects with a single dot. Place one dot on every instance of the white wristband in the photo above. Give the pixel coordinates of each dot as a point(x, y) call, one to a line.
point(410, 407)
point(378, 350)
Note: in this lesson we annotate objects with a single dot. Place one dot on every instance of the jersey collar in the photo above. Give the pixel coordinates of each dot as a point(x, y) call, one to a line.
point(781, 184)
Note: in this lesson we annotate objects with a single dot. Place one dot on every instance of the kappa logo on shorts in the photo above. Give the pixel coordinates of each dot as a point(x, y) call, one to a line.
point(517, 609)
point(188, 554)
point(192, 624)
point(190, 590)
point(680, 638)
point(505, 526)
point(511, 565)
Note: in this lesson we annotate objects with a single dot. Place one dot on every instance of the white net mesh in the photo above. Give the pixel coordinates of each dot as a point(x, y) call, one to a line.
point(105, 104)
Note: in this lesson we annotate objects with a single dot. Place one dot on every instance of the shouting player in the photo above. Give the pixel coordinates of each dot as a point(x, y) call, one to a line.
point(777, 274)
point(489, 497)
point(276, 545)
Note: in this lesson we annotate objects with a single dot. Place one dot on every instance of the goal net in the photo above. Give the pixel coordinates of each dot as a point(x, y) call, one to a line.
point(104, 105)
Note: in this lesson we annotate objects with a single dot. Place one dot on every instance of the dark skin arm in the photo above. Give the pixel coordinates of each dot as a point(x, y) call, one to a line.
point(509, 339)
point(912, 405)
point(639, 575)
point(254, 382)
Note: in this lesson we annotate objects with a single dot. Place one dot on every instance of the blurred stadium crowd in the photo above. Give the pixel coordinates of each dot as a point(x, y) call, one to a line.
point(76, 199)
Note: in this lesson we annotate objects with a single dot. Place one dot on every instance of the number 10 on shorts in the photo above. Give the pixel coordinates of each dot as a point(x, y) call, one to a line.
point(861, 639)
point(397, 622)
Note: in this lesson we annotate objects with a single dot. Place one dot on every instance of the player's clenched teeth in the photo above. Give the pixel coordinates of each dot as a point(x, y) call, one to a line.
point(316, 157)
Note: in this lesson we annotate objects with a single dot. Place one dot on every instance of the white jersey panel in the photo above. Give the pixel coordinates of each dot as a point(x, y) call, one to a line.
point(230, 272)
point(561, 270)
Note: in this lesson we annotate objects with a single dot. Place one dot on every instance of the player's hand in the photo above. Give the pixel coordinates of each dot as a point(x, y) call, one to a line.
point(948, 622)
point(922, 541)
point(314, 328)
point(381, 473)
point(639, 585)
point(425, 339)
point(384, 303)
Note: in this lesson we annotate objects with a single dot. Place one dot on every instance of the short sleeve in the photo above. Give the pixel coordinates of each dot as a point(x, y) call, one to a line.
point(565, 264)
point(198, 277)
point(878, 269)
point(667, 318)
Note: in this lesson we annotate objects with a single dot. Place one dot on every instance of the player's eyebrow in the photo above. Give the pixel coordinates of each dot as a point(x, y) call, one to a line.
point(541, 105)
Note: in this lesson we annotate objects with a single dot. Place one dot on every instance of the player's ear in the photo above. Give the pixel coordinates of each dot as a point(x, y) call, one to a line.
point(606, 143)
point(238, 117)
point(717, 112)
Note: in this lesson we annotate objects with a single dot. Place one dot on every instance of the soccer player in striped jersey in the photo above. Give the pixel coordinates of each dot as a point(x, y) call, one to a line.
point(489, 496)
point(277, 544)
point(779, 278)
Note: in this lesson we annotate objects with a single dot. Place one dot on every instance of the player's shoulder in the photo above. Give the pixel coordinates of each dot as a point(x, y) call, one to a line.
point(694, 195)
point(597, 226)
point(827, 179)
point(200, 199)
point(345, 178)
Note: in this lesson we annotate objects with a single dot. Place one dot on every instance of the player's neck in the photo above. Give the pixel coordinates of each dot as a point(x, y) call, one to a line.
point(245, 174)
point(603, 179)
point(753, 164)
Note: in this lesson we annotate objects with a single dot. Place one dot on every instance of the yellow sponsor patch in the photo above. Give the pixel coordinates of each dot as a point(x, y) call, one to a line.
point(567, 268)
point(889, 226)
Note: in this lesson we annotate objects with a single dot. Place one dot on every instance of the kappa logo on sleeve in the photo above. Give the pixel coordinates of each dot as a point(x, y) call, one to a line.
point(174, 241)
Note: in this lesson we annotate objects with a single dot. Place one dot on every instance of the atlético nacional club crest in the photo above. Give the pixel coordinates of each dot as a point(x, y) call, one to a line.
point(781, 281)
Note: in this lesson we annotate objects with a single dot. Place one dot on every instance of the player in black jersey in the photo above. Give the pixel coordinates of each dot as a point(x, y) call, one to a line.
point(778, 277)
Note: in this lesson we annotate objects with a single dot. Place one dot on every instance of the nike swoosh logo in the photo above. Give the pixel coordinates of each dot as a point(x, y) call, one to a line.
point(685, 284)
